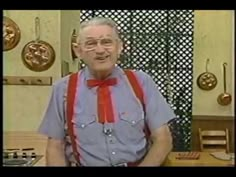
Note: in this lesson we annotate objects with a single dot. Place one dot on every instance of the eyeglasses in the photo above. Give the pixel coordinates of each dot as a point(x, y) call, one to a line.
point(91, 44)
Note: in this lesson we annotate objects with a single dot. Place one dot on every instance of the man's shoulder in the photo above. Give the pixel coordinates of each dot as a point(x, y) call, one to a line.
point(141, 75)
point(62, 81)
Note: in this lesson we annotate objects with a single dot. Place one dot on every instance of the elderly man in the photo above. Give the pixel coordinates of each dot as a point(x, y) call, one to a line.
point(96, 117)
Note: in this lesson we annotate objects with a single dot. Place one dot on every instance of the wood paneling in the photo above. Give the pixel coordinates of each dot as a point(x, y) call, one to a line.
point(211, 123)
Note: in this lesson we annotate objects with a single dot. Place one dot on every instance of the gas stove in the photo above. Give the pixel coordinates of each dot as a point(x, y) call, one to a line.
point(20, 158)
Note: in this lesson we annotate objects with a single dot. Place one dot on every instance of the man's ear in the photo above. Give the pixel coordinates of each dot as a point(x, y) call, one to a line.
point(77, 49)
point(120, 47)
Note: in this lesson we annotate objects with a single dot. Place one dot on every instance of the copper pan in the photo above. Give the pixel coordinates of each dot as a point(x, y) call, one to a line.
point(73, 41)
point(225, 98)
point(38, 55)
point(11, 34)
point(207, 80)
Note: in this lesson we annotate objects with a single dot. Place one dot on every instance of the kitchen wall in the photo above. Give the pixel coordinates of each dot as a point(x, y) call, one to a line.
point(69, 20)
point(213, 39)
point(24, 106)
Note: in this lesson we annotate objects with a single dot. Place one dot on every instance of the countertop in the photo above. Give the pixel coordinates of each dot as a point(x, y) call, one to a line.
point(38, 142)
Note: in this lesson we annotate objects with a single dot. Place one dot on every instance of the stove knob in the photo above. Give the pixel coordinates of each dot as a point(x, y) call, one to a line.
point(24, 155)
point(33, 155)
point(15, 155)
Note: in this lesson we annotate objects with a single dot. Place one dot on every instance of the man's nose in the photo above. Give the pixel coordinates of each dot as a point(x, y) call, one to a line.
point(99, 48)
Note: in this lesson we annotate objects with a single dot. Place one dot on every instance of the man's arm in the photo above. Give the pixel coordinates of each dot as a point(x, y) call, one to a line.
point(55, 153)
point(160, 148)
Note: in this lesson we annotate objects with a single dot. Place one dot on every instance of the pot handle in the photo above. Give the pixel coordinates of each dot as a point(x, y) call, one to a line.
point(207, 63)
point(37, 28)
point(224, 71)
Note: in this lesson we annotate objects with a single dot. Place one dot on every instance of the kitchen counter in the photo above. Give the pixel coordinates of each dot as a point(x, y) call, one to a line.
point(20, 140)
point(38, 142)
point(205, 159)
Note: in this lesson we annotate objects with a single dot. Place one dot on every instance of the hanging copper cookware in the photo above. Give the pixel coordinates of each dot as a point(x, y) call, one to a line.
point(11, 34)
point(73, 41)
point(224, 98)
point(207, 80)
point(38, 55)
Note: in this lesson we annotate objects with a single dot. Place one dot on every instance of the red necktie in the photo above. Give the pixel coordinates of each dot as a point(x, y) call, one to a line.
point(105, 108)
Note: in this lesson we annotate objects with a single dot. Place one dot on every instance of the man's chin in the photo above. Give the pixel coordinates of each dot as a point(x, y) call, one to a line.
point(104, 67)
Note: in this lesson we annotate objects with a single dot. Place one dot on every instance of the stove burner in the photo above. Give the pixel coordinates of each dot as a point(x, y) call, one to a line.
point(13, 162)
point(20, 159)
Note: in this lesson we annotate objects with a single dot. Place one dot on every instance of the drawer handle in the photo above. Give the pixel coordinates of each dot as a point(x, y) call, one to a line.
point(39, 80)
point(23, 80)
point(5, 80)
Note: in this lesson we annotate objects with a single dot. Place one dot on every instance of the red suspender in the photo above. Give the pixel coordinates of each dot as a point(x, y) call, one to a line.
point(71, 91)
point(139, 94)
point(136, 86)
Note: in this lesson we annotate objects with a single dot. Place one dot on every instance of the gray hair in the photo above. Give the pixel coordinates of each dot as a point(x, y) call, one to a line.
point(99, 21)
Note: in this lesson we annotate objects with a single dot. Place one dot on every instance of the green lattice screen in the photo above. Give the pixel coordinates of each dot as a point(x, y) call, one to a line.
point(160, 43)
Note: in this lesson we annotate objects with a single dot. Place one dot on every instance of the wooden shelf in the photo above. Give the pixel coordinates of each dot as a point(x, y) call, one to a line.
point(27, 80)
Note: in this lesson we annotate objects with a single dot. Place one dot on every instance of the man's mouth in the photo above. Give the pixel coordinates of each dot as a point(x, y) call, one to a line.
point(102, 58)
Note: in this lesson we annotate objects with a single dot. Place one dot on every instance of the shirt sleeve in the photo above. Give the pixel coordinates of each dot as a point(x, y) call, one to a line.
point(158, 111)
point(53, 124)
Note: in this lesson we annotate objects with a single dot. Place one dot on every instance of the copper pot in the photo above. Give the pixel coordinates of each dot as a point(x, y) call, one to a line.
point(11, 34)
point(224, 98)
point(207, 80)
point(38, 55)
point(73, 42)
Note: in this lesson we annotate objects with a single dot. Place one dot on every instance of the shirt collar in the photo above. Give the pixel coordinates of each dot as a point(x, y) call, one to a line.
point(117, 72)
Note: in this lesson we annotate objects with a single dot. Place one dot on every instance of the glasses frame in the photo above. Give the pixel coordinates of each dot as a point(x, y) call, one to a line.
point(114, 40)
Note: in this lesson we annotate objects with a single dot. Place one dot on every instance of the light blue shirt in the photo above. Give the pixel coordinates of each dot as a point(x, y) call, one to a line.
point(126, 142)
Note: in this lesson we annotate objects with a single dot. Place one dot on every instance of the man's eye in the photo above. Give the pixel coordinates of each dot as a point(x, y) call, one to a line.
point(89, 43)
point(106, 42)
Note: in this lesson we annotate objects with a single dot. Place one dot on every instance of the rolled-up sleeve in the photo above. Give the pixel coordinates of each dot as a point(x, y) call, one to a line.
point(53, 123)
point(158, 111)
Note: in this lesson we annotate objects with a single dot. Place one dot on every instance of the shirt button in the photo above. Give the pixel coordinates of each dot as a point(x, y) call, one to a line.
point(133, 122)
point(82, 125)
point(111, 141)
point(113, 153)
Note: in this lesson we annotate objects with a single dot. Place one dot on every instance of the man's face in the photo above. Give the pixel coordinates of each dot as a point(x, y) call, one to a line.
point(99, 47)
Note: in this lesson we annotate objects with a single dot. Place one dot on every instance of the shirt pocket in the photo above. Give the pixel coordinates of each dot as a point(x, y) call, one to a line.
point(131, 125)
point(87, 128)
